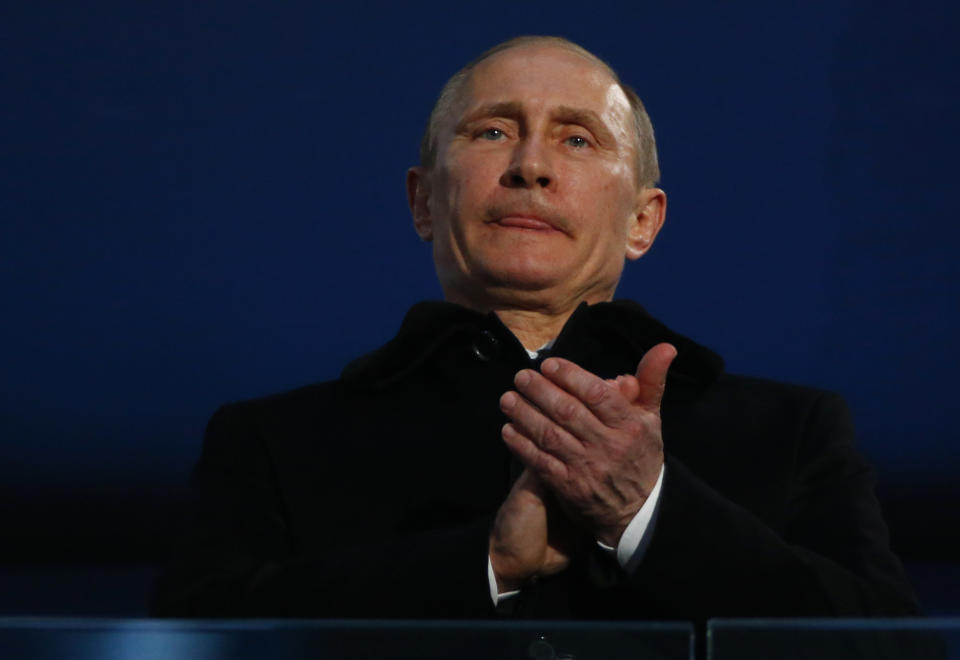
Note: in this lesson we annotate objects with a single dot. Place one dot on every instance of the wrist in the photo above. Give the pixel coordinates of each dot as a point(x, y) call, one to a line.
point(610, 535)
point(610, 539)
point(506, 579)
point(506, 586)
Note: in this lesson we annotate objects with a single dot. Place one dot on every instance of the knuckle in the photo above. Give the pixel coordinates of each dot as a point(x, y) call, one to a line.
point(573, 490)
point(578, 483)
point(597, 393)
point(549, 438)
point(620, 416)
point(634, 428)
point(566, 411)
point(617, 451)
point(583, 491)
point(600, 469)
point(642, 425)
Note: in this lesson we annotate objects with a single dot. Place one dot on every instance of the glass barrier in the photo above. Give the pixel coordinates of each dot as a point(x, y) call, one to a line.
point(88, 639)
point(827, 639)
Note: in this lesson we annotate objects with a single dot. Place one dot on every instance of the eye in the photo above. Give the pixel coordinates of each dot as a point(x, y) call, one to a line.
point(577, 141)
point(492, 134)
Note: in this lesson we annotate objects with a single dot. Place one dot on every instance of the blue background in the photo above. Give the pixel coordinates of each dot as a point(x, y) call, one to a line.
point(203, 202)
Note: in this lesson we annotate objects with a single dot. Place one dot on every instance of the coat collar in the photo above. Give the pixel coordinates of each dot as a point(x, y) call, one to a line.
point(602, 337)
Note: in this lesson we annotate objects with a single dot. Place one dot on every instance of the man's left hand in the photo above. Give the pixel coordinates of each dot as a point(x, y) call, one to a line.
point(595, 443)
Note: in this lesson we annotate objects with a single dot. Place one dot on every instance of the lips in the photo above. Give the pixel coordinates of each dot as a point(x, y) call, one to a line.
point(527, 217)
point(525, 222)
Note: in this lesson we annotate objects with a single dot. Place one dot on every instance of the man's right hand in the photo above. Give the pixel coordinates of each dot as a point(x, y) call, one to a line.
point(530, 538)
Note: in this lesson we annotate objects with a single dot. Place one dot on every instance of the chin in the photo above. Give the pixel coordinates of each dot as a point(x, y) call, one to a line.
point(525, 280)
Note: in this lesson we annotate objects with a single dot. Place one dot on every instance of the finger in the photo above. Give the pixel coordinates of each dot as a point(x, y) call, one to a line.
point(540, 463)
point(652, 375)
point(629, 387)
point(538, 427)
point(561, 408)
point(599, 397)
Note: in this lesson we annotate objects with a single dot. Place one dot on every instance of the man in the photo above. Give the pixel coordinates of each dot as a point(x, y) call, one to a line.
point(455, 472)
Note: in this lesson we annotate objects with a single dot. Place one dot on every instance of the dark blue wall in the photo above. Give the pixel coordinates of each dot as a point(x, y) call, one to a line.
point(202, 202)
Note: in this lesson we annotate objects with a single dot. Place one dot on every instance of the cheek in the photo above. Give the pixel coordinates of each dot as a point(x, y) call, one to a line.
point(614, 202)
point(446, 198)
point(614, 197)
point(453, 186)
point(622, 169)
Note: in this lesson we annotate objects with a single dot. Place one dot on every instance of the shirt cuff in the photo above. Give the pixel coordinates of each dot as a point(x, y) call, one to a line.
point(497, 598)
point(636, 537)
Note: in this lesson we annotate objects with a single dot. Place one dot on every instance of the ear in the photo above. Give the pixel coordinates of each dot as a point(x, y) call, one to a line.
point(418, 193)
point(646, 223)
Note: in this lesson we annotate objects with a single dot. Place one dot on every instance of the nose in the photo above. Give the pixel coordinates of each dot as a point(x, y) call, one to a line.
point(530, 166)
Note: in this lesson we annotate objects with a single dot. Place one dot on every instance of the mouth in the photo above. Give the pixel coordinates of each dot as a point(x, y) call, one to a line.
point(525, 222)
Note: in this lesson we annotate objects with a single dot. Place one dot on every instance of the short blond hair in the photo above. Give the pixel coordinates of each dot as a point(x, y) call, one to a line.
point(648, 169)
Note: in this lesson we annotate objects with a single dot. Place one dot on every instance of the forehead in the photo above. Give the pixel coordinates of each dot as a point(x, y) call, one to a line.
point(539, 77)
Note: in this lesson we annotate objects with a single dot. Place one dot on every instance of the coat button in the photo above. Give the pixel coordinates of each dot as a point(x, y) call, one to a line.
point(486, 346)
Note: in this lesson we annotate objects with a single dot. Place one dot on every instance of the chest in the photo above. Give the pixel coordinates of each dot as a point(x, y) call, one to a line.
point(423, 456)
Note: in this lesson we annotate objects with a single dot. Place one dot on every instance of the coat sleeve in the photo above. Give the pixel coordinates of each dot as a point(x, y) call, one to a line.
point(711, 557)
point(238, 558)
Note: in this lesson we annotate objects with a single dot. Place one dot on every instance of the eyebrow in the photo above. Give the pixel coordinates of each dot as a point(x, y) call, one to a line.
point(562, 114)
point(586, 118)
point(509, 109)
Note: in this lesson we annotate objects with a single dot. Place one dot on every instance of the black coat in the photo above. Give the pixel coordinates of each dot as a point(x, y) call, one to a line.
point(373, 495)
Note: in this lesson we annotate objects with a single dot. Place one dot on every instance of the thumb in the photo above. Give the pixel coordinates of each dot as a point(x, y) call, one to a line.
point(529, 483)
point(652, 375)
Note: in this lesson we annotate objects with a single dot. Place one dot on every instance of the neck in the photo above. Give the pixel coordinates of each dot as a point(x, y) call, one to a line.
point(533, 328)
point(532, 321)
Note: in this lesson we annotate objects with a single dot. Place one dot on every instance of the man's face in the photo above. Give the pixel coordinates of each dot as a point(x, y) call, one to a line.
point(533, 198)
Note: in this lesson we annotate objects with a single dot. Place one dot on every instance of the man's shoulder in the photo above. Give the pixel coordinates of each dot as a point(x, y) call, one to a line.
point(755, 407)
point(294, 403)
point(425, 325)
point(740, 384)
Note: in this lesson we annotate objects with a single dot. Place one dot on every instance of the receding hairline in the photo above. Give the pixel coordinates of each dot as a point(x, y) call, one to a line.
point(648, 171)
